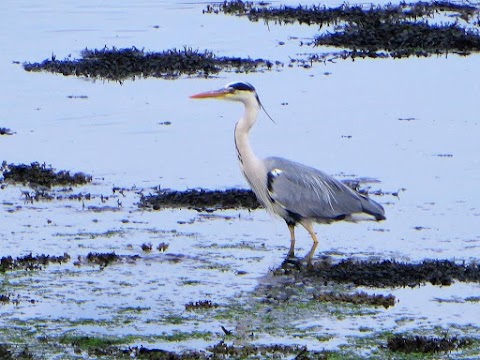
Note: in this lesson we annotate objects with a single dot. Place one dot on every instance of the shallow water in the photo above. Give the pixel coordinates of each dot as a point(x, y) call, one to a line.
point(411, 124)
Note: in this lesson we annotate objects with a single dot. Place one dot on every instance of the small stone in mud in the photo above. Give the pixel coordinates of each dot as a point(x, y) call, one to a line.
point(162, 247)
point(426, 345)
point(202, 304)
point(147, 247)
point(37, 174)
point(357, 298)
point(5, 131)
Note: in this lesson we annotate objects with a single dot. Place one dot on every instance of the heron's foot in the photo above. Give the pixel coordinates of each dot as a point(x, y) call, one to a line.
point(291, 251)
point(291, 262)
point(310, 253)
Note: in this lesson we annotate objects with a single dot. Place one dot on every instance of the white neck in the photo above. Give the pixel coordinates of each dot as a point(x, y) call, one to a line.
point(252, 167)
point(244, 150)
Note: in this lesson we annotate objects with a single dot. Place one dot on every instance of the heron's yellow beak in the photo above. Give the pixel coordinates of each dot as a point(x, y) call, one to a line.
point(212, 94)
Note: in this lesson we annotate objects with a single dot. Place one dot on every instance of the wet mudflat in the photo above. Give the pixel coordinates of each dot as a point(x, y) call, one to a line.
point(160, 252)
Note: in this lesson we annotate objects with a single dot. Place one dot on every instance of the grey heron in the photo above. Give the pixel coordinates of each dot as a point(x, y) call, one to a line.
point(297, 193)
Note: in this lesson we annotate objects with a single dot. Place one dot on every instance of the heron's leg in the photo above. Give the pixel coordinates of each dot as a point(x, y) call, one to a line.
point(309, 227)
point(291, 227)
point(311, 252)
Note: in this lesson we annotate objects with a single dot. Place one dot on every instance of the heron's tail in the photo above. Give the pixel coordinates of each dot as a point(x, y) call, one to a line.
point(372, 208)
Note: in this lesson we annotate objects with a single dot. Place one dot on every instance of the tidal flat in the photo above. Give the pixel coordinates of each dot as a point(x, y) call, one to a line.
point(96, 264)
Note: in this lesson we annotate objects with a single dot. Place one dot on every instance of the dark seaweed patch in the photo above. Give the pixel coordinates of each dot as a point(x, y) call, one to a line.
point(201, 199)
point(5, 352)
point(221, 350)
point(102, 259)
point(202, 304)
point(358, 298)
point(224, 350)
point(95, 346)
point(385, 273)
point(119, 64)
point(15, 352)
point(425, 344)
point(321, 15)
point(42, 175)
point(40, 194)
point(146, 353)
point(402, 39)
point(30, 262)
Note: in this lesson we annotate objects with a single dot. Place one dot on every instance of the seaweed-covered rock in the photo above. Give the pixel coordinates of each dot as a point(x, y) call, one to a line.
point(384, 273)
point(425, 344)
point(202, 200)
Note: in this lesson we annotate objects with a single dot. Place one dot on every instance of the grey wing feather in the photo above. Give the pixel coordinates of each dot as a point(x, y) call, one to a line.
point(309, 192)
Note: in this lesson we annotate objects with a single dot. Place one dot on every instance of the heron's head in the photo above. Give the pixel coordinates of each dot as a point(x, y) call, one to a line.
point(235, 91)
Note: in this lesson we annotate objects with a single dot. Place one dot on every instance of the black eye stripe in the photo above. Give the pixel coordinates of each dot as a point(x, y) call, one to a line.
point(241, 86)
